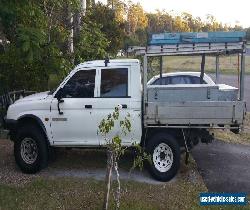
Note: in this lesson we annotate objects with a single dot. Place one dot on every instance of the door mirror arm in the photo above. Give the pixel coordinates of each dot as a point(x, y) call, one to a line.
point(59, 96)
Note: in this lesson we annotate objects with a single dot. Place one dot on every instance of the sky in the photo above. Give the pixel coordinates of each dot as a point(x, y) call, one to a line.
point(225, 11)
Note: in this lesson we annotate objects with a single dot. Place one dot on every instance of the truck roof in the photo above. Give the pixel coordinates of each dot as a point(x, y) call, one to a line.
point(112, 62)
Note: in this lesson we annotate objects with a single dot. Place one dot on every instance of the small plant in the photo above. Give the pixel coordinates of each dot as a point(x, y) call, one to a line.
point(115, 150)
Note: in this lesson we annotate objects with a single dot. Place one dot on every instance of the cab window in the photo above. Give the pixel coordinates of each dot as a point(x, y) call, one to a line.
point(80, 85)
point(114, 83)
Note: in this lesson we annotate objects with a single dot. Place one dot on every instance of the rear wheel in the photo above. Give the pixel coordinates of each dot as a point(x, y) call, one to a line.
point(165, 156)
point(31, 149)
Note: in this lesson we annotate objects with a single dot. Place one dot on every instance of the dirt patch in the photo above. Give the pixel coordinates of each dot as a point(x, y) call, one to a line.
point(9, 173)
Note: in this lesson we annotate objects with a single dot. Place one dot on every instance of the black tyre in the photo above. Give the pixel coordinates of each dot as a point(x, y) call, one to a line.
point(31, 149)
point(165, 156)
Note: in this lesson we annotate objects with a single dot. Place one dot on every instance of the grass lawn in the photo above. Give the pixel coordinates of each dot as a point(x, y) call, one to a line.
point(228, 64)
point(48, 191)
point(88, 194)
point(45, 191)
point(69, 193)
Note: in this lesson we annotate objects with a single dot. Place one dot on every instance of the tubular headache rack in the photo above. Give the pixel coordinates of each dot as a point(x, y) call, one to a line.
point(192, 43)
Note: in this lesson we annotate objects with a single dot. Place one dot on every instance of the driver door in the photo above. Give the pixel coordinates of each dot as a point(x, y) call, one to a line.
point(77, 124)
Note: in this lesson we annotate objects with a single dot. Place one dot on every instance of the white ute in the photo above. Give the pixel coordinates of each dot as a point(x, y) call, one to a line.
point(165, 118)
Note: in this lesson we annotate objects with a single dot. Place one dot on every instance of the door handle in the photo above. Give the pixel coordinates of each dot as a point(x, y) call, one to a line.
point(124, 106)
point(88, 106)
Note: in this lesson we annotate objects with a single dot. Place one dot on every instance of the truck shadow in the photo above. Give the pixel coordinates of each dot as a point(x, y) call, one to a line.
point(91, 163)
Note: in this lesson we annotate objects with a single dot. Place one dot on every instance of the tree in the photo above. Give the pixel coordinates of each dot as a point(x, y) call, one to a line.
point(119, 7)
point(25, 60)
point(136, 18)
point(92, 43)
point(42, 41)
point(160, 22)
point(194, 24)
point(112, 29)
point(211, 24)
point(179, 25)
point(115, 150)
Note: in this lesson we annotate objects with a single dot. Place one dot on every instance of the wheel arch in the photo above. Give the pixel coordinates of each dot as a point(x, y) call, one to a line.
point(30, 118)
point(173, 132)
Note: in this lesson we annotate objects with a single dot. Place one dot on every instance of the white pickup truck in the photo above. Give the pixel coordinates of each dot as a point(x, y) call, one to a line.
point(69, 116)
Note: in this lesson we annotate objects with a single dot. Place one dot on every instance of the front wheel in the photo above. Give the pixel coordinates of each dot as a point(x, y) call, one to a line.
point(165, 157)
point(31, 149)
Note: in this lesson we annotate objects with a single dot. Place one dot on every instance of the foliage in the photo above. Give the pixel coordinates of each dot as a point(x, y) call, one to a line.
point(159, 22)
point(107, 125)
point(115, 150)
point(140, 158)
point(92, 43)
point(29, 59)
point(112, 28)
point(120, 9)
point(137, 18)
point(139, 38)
point(38, 34)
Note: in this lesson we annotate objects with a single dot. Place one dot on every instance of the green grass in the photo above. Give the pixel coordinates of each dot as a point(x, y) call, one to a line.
point(68, 193)
point(228, 64)
point(88, 194)
point(45, 192)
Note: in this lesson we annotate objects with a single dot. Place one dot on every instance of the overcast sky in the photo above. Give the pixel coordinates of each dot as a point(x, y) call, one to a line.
point(226, 11)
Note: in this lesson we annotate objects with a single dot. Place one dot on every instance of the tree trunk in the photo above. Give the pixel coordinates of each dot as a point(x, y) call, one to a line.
point(110, 159)
point(70, 42)
point(118, 191)
point(79, 15)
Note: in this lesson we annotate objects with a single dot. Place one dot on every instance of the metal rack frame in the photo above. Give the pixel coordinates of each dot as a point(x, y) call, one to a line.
point(203, 49)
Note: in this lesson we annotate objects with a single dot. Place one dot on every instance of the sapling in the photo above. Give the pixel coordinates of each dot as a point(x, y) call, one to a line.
point(115, 150)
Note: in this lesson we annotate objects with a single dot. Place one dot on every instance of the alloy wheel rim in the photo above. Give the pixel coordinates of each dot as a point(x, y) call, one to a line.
point(29, 150)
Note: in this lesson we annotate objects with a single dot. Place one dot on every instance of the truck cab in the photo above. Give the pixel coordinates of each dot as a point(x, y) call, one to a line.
point(70, 115)
point(88, 95)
